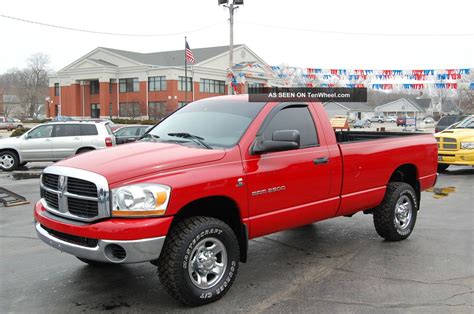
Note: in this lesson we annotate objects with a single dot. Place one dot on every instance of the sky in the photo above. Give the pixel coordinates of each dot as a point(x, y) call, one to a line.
point(318, 34)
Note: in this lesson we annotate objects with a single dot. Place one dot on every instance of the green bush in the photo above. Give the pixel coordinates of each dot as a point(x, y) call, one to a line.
point(19, 131)
point(36, 120)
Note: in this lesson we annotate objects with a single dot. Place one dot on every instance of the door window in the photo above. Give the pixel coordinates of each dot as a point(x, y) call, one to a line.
point(61, 130)
point(88, 129)
point(95, 110)
point(294, 118)
point(41, 132)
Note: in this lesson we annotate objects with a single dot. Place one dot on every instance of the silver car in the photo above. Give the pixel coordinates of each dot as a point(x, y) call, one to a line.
point(54, 141)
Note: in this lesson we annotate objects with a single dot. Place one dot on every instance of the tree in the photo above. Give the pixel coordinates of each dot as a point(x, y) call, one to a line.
point(30, 84)
point(33, 83)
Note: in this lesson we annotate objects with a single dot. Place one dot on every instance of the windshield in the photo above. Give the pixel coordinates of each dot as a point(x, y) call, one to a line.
point(466, 124)
point(207, 122)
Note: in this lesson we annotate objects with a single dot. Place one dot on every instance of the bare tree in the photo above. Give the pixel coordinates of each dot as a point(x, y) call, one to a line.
point(33, 83)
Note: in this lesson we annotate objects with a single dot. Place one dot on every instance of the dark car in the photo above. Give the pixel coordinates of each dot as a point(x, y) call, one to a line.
point(401, 121)
point(129, 134)
point(446, 121)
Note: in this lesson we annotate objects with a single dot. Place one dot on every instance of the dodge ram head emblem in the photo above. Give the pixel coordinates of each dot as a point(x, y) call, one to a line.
point(62, 185)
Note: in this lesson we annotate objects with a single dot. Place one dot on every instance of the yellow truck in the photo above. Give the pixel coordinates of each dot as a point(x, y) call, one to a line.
point(456, 145)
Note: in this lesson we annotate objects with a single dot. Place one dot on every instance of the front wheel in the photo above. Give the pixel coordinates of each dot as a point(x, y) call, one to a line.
point(395, 218)
point(199, 260)
point(8, 161)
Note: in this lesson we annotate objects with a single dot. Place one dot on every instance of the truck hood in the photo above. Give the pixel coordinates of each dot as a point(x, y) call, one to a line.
point(137, 159)
point(456, 133)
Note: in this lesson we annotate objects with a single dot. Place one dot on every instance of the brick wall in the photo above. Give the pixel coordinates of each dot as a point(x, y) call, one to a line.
point(76, 99)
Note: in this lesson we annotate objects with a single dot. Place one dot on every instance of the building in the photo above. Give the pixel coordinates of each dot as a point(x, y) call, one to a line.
point(418, 108)
point(111, 83)
point(352, 110)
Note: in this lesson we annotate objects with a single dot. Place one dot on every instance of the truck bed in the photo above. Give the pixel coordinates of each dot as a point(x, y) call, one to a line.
point(356, 136)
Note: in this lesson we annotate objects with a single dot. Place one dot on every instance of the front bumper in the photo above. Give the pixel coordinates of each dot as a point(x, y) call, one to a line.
point(112, 240)
point(109, 251)
point(463, 157)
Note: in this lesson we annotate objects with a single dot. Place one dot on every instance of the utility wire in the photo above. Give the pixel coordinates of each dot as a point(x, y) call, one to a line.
point(242, 22)
point(107, 33)
point(354, 33)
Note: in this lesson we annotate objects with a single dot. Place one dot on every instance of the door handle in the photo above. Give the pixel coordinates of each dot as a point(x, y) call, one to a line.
point(48, 140)
point(77, 138)
point(321, 160)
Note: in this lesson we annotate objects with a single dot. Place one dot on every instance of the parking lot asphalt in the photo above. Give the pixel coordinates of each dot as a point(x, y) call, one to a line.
point(333, 266)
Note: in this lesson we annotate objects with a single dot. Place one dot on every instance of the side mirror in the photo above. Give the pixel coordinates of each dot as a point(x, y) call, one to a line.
point(281, 140)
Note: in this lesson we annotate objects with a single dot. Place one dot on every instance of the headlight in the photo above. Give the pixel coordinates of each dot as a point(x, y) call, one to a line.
point(145, 199)
point(467, 145)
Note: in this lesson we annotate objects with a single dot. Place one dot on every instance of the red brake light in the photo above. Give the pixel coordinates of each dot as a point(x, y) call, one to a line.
point(108, 142)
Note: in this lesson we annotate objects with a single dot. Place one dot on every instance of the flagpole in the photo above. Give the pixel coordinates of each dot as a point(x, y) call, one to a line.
point(185, 74)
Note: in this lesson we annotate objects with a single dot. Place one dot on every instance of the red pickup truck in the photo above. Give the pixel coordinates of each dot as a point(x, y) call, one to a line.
point(218, 172)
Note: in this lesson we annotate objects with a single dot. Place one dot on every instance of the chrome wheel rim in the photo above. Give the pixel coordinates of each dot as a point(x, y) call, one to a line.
point(403, 212)
point(6, 161)
point(207, 263)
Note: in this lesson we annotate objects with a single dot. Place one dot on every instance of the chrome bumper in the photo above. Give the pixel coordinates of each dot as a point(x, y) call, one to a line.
point(136, 251)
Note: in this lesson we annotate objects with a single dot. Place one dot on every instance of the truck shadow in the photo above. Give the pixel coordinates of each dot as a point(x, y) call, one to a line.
point(456, 172)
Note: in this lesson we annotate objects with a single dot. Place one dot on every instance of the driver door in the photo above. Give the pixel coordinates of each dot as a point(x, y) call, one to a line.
point(286, 188)
point(37, 144)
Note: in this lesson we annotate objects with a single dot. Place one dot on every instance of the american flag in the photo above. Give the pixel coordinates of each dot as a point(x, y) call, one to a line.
point(189, 54)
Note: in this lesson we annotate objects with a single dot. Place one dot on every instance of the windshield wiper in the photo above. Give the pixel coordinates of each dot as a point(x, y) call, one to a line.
point(196, 139)
point(153, 136)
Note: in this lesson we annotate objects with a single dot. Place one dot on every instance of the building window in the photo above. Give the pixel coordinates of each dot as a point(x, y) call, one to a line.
point(129, 110)
point(94, 87)
point(156, 110)
point(95, 111)
point(56, 89)
point(110, 110)
point(129, 85)
point(212, 86)
point(182, 85)
point(111, 82)
point(156, 83)
point(181, 104)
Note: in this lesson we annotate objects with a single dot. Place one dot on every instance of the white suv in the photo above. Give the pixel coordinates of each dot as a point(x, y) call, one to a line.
point(54, 141)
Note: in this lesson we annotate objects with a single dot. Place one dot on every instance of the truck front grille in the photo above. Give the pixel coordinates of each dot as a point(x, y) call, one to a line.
point(81, 187)
point(74, 196)
point(82, 208)
point(51, 199)
point(447, 143)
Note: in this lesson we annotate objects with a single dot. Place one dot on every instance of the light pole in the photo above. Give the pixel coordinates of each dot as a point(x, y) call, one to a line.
point(231, 5)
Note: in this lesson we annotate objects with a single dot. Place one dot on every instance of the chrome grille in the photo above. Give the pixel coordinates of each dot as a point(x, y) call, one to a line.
point(51, 199)
point(81, 187)
point(51, 181)
point(74, 193)
point(82, 208)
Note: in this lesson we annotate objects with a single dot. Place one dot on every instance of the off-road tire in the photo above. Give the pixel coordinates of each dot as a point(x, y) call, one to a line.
point(173, 266)
point(442, 167)
point(384, 214)
point(13, 157)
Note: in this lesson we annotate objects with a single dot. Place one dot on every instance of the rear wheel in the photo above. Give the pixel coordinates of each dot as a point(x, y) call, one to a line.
point(8, 160)
point(395, 218)
point(199, 260)
point(442, 167)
